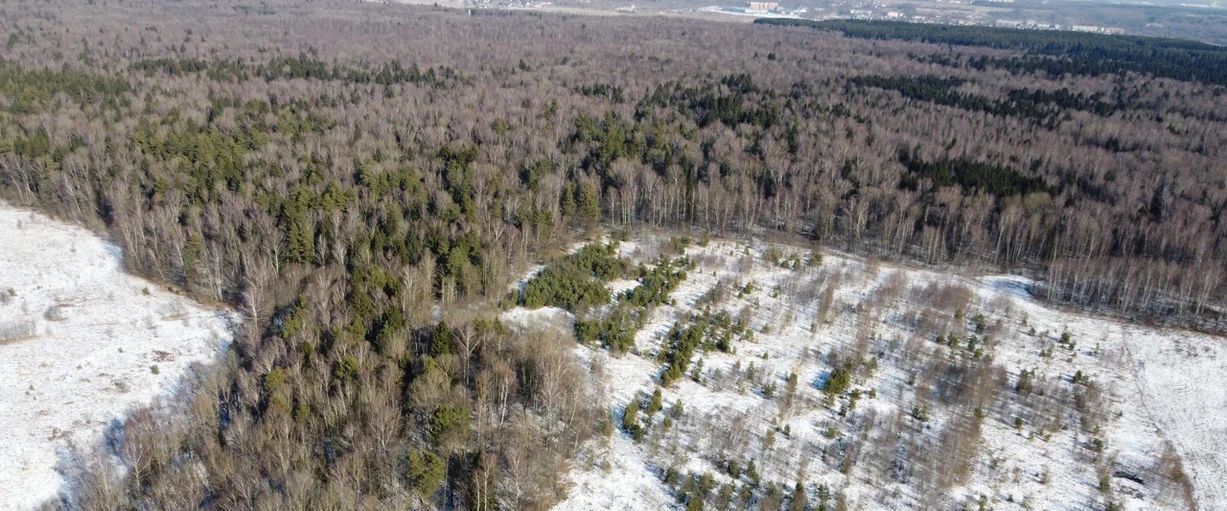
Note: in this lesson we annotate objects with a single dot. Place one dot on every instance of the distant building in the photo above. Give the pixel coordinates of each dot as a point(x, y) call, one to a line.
point(1096, 29)
point(763, 6)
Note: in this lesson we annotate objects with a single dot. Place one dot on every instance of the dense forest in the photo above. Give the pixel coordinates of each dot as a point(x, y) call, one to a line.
point(1070, 52)
point(364, 182)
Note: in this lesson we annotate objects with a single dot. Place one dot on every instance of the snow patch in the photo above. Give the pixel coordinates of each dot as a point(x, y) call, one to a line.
point(87, 343)
point(1161, 386)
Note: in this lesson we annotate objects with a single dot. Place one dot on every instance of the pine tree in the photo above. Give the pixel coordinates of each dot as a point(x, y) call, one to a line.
point(425, 471)
point(630, 420)
point(799, 499)
point(655, 404)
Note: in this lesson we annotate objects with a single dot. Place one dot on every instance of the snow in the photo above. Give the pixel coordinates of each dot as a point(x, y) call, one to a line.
point(616, 474)
point(97, 335)
point(1159, 387)
point(520, 318)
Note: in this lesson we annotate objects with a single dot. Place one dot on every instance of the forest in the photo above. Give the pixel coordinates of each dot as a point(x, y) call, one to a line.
point(364, 183)
point(1074, 52)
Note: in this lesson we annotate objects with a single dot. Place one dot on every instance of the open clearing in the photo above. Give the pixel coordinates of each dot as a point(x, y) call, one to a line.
point(942, 418)
point(81, 342)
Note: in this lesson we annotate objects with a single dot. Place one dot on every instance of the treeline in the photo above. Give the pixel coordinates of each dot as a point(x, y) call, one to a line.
point(301, 66)
point(1046, 107)
point(27, 89)
point(1069, 52)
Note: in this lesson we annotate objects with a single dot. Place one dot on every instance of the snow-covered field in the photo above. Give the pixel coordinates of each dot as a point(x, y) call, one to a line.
point(81, 342)
point(1110, 413)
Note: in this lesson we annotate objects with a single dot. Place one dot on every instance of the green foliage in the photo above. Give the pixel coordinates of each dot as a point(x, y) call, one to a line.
point(657, 281)
point(276, 393)
point(746, 290)
point(981, 323)
point(304, 67)
point(576, 281)
point(449, 427)
point(613, 93)
point(710, 103)
point(655, 404)
point(214, 159)
point(425, 472)
point(1046, 107)
point(969, 174)
point(615, 331)
point(630, 421)
point(616, 328)
point(682, 343)
point(837, 382)
point(733, 468)
point(768, 390)
point(607, 140)
point(672, 476)
point(339, 202)
point(799, 500)
point(706, 331)
point(680, 243)
point(441, 339)
point(600, 259)
point(28, 90)
point(752, 472)
point(346, 368)
point(1025, 383)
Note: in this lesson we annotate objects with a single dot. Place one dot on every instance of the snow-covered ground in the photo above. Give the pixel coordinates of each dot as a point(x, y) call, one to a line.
point(1155, 401)
point(81, 342)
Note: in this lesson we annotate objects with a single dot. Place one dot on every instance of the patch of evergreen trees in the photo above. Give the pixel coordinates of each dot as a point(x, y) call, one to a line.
point(301, 66)
point(705, 331)
point(1043, 106)
point(575, 282)
point(969, 174)
point(26, 90)
point(656, 282)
